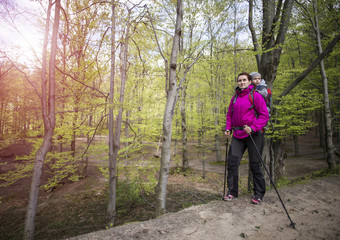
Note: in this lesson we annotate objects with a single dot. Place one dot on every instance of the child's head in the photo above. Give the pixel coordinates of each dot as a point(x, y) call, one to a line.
point(256, 78)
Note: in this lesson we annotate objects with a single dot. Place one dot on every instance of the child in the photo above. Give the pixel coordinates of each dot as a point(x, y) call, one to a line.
point(261, 87)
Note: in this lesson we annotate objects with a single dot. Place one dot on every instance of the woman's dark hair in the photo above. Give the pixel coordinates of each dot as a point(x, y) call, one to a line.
point(244, 73)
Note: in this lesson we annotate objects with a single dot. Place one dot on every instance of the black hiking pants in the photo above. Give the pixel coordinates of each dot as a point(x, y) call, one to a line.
point(236, 151)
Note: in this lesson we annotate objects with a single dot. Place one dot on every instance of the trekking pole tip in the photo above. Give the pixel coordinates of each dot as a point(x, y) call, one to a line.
point(292, 225)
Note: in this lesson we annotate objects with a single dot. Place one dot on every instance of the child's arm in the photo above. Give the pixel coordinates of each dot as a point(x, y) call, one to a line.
point(262, 90)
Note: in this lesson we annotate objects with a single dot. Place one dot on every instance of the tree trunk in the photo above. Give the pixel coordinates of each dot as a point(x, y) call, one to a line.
point(253, 33)
point(127, 132)
point(168, 116)
point(273, 37)
point(118, 128)
point(331, 157)
point(1, 117)
point(48, 112)
point(74, 126)
point(111, 207)
point(296, 145)
point(266, 157)
point(185, 161)
point(88, 142)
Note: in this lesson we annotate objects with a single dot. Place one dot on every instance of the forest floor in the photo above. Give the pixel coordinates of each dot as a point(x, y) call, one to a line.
point(79, 208)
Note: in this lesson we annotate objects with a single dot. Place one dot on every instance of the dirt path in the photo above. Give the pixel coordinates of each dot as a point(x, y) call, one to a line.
point(313, 206)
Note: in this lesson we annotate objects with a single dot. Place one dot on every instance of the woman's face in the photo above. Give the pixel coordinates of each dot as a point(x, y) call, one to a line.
point(243, 81)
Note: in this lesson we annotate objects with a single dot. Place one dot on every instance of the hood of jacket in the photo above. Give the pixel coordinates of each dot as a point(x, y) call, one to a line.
point(242, 92)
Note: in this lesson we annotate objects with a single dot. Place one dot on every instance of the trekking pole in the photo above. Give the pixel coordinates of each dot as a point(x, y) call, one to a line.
point(225, 167)
point(292, 224)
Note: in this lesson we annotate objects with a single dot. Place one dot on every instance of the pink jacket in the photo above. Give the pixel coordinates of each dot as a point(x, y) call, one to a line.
point(239, 114)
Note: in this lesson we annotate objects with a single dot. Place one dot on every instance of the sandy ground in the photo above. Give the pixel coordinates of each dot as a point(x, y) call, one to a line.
point(313, 206)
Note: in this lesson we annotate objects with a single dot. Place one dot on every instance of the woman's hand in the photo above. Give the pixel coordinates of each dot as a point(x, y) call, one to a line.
point(247, 129)
point(227, 133)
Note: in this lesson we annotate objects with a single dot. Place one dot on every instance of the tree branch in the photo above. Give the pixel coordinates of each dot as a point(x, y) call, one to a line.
point(285, 18)
point(3, 73)
point(311, 67)
point(26, 76)
point(160, 50)
point(253, 33)
point(94, 134)
point(93, 88)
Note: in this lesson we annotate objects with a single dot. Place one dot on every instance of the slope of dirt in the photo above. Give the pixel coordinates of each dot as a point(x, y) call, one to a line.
point(313, 206)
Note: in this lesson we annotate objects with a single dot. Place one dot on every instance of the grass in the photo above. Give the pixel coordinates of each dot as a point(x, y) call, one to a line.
point(320, 173)
point(310, 176)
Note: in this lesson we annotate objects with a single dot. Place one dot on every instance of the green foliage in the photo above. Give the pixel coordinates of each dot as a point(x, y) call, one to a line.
point(23, 165)
point(142, 174)
point(186, 205)
point(12, 176)
point(134, 169)
point(294, 115)
point(59, 167)
point(127, 194)
point(283, 182)
point(62, 166)
point(7, 142)
point(298, 53)
point(322, 173)
point(243, 235)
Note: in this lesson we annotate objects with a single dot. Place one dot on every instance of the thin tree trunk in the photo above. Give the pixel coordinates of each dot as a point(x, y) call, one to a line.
point(174, 152)
point(253, 33)
point(118, 126)
point(185, 161)
point(127, 114)
point(74, 126)
point(88, 142)
point(168, 116)
point(215, 93)
point(296, 145)
point(48, 112)
point(1, 117)
point(331, 157)
point(111, 207)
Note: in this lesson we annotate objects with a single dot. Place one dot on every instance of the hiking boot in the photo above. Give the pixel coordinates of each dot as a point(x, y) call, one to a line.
point(229, 197)
point(256, 200)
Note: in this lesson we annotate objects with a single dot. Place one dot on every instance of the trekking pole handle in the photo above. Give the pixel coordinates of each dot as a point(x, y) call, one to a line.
point(248, 131)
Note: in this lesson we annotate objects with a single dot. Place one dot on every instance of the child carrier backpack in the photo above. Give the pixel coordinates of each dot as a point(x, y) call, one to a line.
point(268, 100)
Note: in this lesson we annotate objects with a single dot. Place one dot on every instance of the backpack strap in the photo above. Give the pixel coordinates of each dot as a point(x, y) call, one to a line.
point(235, 97)
point(251, 99)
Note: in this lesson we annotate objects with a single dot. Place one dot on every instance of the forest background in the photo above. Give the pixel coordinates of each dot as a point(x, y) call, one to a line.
point(97, 86)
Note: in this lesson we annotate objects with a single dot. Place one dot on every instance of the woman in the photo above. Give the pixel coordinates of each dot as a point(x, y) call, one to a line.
point(245, 118)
